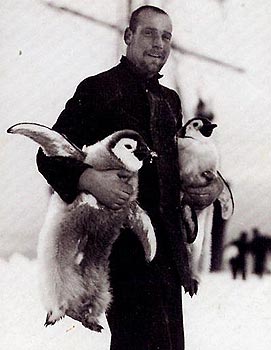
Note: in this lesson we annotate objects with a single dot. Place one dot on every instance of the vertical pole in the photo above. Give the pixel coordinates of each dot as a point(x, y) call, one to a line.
point(218, 235)
point(129, 9)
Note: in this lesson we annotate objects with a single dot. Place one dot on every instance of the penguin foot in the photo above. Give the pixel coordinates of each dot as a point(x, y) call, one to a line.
point(94, 326)
point(53, 317)
point(86, 317)
point(193, 288)
point(91, 322)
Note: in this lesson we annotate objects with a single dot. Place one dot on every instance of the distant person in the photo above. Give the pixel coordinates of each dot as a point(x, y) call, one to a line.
point(238, 263)
point(259, 248)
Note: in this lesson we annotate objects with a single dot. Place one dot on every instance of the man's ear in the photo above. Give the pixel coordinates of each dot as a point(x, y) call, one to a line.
point(128, 36)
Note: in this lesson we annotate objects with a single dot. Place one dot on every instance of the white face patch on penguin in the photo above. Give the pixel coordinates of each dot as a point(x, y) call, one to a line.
point(197, 128)
point(194, 126)
point(124, 150)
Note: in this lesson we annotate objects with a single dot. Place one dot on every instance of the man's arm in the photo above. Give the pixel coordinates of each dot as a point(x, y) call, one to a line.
point(68, 176)
point(63, 173)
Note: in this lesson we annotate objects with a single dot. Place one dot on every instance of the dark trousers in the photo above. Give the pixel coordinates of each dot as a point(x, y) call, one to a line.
point(146, 313)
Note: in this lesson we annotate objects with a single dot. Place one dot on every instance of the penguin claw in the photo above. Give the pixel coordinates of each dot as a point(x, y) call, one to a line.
point(193, 288)
point(52, 319)
point(94, 326)
point(99, 328)
point(47, 322)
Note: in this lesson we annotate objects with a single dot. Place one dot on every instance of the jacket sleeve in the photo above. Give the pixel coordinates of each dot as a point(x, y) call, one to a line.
point(77, 123)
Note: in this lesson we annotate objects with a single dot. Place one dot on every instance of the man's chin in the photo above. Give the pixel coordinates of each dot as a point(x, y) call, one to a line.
point(153, 68)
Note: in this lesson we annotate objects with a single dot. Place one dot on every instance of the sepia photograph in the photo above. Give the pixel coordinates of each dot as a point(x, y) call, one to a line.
point(135, 175)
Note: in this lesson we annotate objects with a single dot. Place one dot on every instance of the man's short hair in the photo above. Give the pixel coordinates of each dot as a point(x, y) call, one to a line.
point(134, 16)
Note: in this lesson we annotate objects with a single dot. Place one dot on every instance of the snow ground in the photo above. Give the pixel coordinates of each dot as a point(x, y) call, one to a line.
point(226, 314)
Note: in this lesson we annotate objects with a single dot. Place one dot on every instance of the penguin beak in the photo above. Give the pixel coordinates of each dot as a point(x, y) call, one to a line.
point(181, 132)
point(153, 155)
point(207, 129)
point(143, 152)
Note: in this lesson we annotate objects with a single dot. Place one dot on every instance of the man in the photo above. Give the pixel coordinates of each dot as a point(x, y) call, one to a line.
point(146, 313)
point(238, 263)
point(259, 247)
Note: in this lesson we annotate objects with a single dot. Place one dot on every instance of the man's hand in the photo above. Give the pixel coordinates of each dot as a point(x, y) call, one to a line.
point(201, 196)
point(109, 187)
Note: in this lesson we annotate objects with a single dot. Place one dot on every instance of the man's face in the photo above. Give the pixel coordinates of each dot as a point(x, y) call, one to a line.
point(149, 46)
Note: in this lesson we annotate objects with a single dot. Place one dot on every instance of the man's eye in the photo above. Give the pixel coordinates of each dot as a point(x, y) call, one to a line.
point(148, 32)
point(166, 37)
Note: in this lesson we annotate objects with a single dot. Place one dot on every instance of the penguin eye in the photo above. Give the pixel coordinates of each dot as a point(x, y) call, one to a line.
point(128, 146)
point(195, 124)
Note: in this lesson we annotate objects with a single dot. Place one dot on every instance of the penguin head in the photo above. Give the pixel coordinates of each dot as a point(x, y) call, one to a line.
point(122, 149)
point(196, 125)
point(129, 148)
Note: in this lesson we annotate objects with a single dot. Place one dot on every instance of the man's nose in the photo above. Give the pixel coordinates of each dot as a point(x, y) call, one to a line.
point(157, 41)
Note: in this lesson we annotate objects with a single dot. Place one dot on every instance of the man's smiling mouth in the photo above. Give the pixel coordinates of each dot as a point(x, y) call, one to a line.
point(153, 55)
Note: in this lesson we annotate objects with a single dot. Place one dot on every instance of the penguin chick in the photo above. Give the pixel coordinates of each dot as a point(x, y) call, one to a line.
point(76, 239)
point(198, 155)
point(198, 164)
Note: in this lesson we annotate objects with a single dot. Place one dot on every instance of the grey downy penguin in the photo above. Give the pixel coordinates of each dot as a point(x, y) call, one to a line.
point(76, 239)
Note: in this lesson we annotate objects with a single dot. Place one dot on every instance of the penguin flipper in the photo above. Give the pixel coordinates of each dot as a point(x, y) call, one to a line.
point(226, 200)
point(52, 142)
point(189, 222)
point(140, 223)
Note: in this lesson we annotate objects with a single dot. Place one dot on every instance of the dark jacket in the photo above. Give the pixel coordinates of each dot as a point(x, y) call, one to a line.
point(121, 98)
